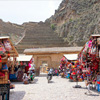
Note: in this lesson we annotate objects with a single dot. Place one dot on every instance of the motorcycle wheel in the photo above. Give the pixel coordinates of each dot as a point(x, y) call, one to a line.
point(49, 79)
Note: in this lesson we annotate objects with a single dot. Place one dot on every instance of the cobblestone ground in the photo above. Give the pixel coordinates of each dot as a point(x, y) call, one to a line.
point(58, 89)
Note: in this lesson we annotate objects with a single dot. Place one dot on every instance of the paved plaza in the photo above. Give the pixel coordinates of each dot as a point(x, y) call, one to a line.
point(58, 89)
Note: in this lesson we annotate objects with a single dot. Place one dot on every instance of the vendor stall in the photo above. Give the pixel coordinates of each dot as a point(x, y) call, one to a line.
point(89, 58)
point(7, 50)
point(22, 65)
point(70, 68)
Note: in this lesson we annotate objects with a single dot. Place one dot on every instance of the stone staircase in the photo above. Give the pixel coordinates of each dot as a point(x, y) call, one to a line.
point(41, 35)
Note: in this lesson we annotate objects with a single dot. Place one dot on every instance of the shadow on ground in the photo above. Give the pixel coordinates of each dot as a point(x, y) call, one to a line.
point(35, 81)
point(18, 95)
point(92, 92)
point(95, 91)
point(51, 82)
point(42, 75)
point(17, 83)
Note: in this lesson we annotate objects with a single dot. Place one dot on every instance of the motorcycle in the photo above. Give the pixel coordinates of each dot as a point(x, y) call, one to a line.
point(49, 75)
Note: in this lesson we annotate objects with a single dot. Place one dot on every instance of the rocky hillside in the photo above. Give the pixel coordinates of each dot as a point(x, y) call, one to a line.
point(14, 31)
point(76, 20)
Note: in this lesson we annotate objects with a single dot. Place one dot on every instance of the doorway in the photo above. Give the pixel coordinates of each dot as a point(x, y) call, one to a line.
point(44, 67)
point(43, 62)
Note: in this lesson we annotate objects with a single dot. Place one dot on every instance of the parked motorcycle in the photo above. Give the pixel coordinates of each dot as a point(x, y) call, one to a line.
point(49, 75)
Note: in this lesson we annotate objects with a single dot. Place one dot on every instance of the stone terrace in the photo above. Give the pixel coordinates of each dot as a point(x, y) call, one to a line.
point(41, 35)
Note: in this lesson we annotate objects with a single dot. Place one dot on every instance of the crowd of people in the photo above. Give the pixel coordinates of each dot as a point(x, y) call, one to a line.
point(22, 72)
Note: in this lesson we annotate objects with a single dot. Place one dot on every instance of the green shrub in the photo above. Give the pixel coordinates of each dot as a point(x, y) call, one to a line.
point(70, 20)
point(53, 26)
point(71, 38)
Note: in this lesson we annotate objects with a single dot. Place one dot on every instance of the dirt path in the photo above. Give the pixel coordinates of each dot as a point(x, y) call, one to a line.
point(58, 89)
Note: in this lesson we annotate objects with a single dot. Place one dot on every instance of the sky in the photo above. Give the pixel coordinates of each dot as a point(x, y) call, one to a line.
point(20, 11)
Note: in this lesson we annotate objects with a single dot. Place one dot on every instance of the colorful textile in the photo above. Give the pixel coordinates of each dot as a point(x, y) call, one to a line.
point(20, 76)
point(0, 59)
point(26, 69)
point(4, 67)
point(29, 65)
point(7, 45)
point(2, 49)
point(90, 44)
point(93, 50)
point(98, 40)
point(2, 75)
point(95, 64)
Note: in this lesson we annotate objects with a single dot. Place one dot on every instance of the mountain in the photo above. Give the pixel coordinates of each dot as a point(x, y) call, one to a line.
point(71, 25)
point(76, 20)
point(14, 31)
point(31, 35)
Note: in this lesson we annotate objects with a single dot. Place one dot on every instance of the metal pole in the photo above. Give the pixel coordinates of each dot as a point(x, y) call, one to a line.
point(88, 80)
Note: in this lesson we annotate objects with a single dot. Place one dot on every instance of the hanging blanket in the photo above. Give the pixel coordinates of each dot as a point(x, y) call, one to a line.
point(7, 45)
point(2, 49)
point(20, 76)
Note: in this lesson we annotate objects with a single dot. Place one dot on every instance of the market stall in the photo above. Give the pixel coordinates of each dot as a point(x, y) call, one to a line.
point(26, 60)
point(89, 58)
point(22, 65)
point(7, 50)
point(27, 68)
point(70, 68)
point(86, 66)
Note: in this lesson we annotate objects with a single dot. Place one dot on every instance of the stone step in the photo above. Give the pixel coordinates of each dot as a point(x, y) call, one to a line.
point(41, 40)
point(46, 43)
point(40, 35)
point(38, 31)
point(44, 38)
point(39, 45)
point(45, 28)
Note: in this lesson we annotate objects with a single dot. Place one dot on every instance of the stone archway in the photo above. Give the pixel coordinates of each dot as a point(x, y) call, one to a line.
point(41, 59)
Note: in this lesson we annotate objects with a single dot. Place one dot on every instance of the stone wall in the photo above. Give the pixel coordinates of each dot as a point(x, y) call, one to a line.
point(53, 60)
